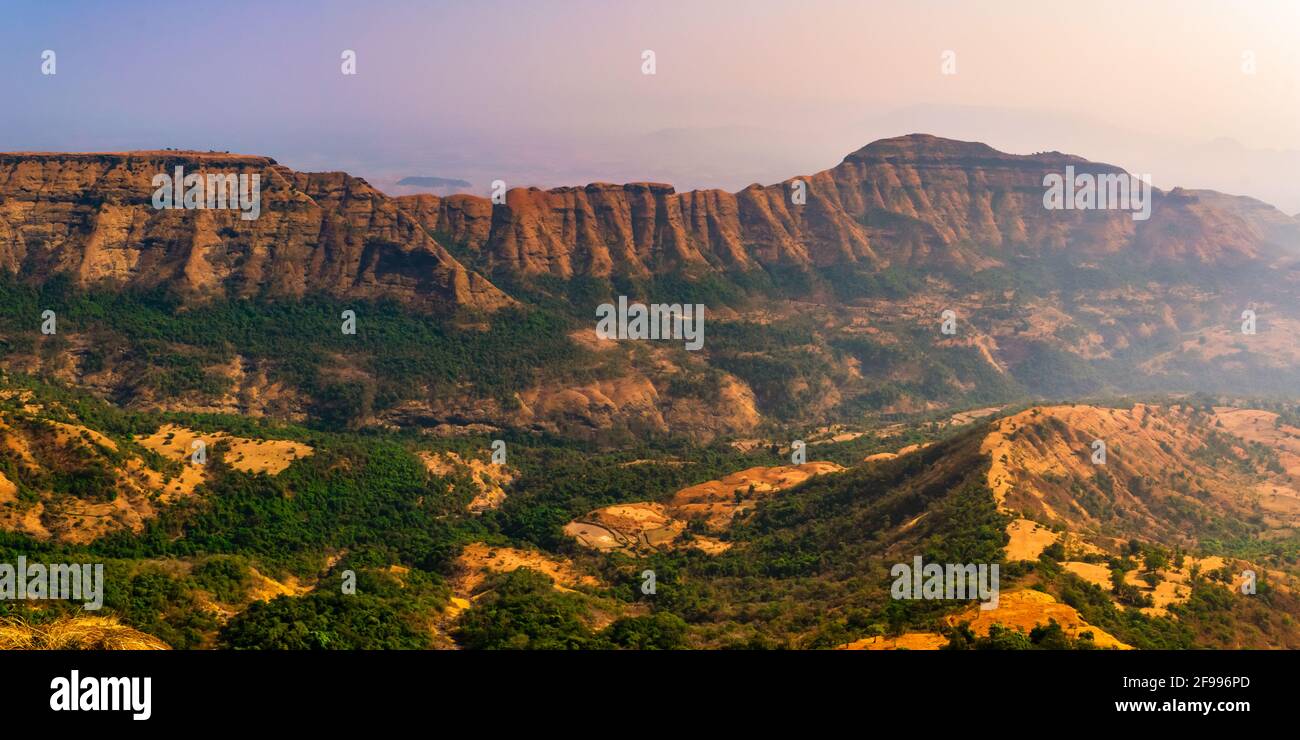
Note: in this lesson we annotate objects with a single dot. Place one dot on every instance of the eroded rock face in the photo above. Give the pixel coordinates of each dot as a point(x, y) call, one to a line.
point(91, 216)
point(916, 201)
point(640, 229)
point(912, 201)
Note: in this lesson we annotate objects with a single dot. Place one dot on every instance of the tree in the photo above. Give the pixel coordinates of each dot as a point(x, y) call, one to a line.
point(1156, 559)
point(523, 611)
point(658, 631)
point(322, 621)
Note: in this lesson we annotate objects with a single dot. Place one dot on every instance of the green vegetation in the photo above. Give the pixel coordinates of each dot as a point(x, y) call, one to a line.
point(522, 611)
point(809, 569)
point(394, 355)
point(322, 622)
point(1043, 637)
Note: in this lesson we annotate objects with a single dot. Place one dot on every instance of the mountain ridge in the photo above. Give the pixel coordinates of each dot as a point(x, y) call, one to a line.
point(818, 312)
point(917, 201)
point(91, 216)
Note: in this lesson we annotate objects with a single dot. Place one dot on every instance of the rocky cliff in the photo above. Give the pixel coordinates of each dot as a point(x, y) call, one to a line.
point(92, 217)
point(914, 201)
point(910, 201)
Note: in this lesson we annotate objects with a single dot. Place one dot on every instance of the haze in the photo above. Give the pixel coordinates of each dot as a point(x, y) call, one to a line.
point(553, 93)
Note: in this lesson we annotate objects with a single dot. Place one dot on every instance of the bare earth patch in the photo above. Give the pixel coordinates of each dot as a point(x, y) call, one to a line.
point(906, 641)
point(902, 451)
point(126, 491)
point(479, 560)
point(489, 481)
point(715, 504)
point(1094, 573)
point(1028, 539)
point(1021, 610)
point(270, 456)
point(1027, 609)
point(265, 588)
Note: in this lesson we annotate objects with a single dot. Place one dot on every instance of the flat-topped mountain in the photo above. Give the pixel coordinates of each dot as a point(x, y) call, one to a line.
point(915, 201)
point(823, 293)
point(912, 201)
point(91, 216)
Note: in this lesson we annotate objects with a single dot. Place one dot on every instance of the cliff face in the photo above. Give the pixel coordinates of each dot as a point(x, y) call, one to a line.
point(91, 216)
point(911, 201)
point(597, 230)
point(916, 201)
point(1273, 226)
point(643, 228)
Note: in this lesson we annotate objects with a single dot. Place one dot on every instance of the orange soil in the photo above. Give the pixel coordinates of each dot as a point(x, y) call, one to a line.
point(489, 480)
point(716, 503)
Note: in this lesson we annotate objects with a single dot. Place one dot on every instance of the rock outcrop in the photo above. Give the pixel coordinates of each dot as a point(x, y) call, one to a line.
point(909, 201)
point(91, 217)
point(916, 201)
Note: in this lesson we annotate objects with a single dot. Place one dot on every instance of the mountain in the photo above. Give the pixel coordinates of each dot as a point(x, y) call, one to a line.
point(473, 315)
point(1221, 164)
point(90, 216)
point(1149, 548)
point(916, 201)
point(428, 181)
point(921, 326)
point(1152, 547)
point(1270, 223)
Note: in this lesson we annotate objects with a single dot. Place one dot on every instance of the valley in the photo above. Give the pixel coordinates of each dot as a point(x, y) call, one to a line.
point(1149, 550)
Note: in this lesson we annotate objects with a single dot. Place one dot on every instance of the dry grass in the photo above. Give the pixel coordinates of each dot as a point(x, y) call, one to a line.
point(1028, 540)
point(1027, 609)
point(1097, 575)
point(478, 560)
point(270, 456)
point(1022, 610)
point(1042, 457)
point(908, 641)
point(717, 503)
point(37, 445)
point(891, 455)
point(489, 481)
point(75, 633)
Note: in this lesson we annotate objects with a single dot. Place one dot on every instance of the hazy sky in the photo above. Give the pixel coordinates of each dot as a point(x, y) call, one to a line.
point(552, 93)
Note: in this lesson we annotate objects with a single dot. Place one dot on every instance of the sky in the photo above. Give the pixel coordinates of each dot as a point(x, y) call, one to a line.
point(1198, 93)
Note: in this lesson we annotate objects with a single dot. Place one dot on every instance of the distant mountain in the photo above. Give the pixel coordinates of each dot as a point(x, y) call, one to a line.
point(1220, 164)
point(911, 201)
point(916, 201)
point(1270, 223)
point(434, 182)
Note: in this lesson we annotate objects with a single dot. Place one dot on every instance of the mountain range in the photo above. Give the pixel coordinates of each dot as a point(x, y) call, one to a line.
point(821, 307)
point(905, 356)
point(914, 201)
